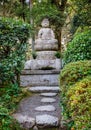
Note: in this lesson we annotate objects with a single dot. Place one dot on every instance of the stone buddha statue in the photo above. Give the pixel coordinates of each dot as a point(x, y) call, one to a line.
point(45, 46)
point(46, 34)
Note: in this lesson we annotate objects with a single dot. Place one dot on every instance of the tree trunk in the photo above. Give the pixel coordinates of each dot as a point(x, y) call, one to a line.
point(23, 4)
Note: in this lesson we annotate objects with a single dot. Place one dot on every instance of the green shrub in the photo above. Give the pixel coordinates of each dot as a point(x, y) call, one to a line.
point(34, 54)
point(13, 44)
point(79, 48)
point(78, 99)
point(6, 121)
point(10, 96)
point(74, 72)
point(58, 54)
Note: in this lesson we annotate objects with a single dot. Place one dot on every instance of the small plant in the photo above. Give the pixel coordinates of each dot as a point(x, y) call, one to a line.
point(10, 96)
point(6, 121)
point(34, 55)
point(58, 54)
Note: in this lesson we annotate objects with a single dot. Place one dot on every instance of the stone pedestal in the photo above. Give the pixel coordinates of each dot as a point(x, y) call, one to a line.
point(43, 64)
point(45, 56)
point(45, 46)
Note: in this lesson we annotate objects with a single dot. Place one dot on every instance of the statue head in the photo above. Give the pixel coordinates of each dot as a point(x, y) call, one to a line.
point(45, 23)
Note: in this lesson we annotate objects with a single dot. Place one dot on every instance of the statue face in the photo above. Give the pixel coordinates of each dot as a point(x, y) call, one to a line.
point(45, 23)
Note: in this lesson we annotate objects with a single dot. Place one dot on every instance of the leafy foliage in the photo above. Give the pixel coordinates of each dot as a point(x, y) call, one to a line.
point(6, 121)
point(79, 48)
point(72, 73)
point(9, 97)
point(13, 44)
point(78, 99)
point(82, 14)
point(45, 9)
point(34, 54)
point(58, 54)
point(12, 8)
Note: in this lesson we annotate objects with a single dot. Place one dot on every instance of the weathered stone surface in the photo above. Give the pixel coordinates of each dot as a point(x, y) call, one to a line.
point(43, 64)
point(40, 72)
point(39, 80)
point(47, 120)
point(48, 94)
point(35, 128)
point(46, 46)
point(46, 55)
point(44, 89)
point(46, 38)
point(45, 108)
point(28, 104)
point(25, 121)
point(46, 33)
point(48, 100)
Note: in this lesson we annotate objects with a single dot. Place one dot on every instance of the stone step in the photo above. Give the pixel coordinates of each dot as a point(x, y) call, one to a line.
point(47, 120)
point(48, 94)
point(40, 120)
point(48, 100)
point(44, 89)
point(39, 79)
point(47, 108)
point(24, 120)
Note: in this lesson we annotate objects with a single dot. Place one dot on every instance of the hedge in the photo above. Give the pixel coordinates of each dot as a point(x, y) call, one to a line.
point(74, 72)
point(79, 104)
point(73, 78)
point(79, 48)
point(13, 44)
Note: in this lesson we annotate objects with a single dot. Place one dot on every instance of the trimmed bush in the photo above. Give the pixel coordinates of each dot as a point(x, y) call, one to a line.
point(71, 74)
point(74, 72)
point(13, 44)
point(78, 99)
point(79, 48)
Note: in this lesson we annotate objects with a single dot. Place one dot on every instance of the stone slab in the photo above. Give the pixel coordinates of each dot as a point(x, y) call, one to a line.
point(43, 64)
point(48, 94)
point(48, 100)
point(45, 108)
point(46, 55)
point(45, 45)
point(25, 121)
point(47, 120)
point(40, 72)
point(39, 80)
point(44, 89)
